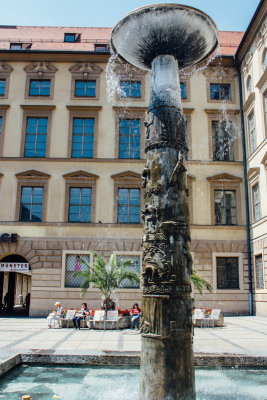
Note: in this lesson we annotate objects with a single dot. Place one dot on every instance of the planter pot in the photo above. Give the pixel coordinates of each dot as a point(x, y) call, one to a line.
point(123, 323)
point(217, 322)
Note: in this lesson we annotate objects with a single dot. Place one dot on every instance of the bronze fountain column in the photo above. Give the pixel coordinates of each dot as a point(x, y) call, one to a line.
point(163, 38)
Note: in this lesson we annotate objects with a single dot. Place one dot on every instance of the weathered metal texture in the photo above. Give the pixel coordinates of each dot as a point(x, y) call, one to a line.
point(167, 371)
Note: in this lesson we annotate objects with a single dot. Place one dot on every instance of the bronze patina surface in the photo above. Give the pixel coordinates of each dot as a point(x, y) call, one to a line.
point(161, 38)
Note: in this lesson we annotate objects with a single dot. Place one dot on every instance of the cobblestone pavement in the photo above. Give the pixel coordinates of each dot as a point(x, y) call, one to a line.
point(239, 335)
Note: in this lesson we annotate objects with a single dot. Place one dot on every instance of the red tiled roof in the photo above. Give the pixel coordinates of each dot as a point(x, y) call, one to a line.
point(52, 38)
point(229, 42)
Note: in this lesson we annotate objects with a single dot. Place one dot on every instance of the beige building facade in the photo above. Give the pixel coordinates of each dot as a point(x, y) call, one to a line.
point(252, 58)
point(71, 167)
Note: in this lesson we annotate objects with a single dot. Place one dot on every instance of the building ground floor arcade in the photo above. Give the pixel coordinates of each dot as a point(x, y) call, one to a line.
point(55, 258)
point(15, 286)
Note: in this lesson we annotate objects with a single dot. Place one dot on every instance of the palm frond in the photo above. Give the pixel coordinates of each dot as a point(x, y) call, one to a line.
point(200, 283)
point(106, 276)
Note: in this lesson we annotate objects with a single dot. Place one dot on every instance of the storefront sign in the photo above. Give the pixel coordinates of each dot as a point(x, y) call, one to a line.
point(14, 267)
point(6, 237)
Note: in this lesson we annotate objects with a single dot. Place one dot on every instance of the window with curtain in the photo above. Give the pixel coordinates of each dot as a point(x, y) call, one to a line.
point(74, 264)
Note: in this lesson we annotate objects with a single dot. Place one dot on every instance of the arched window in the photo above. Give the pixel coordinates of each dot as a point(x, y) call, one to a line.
point(264, 59)
point(249, 85)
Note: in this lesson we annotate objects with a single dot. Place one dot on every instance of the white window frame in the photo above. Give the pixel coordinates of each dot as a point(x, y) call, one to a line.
point(214, 275)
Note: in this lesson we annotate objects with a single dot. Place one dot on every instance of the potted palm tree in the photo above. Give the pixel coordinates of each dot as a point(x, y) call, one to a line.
point(107, 276)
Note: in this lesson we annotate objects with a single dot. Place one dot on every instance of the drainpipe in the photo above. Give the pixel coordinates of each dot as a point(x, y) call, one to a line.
point(251, 311)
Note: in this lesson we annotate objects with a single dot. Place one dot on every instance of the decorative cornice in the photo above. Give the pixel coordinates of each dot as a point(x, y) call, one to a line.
point(191, 178)
point(188, 110)
point(252, 173)
point(247, 61)
point(31, 107)
point(264, 160)
point(260, 38)
point(121, 68)
point(218, 111)
point(40, 68)
point(5, 68)
point(4, 106)
point(219, 72)
point(224, 177)
point(83, 108)
point(80, 175)
point(32, 174)
point(125, 109)
point(128, 175)
point(249, 101)
point(85, 69)
point(262, 81)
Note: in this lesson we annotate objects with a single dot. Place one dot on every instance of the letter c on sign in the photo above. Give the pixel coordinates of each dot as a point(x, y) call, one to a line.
point(5, 237)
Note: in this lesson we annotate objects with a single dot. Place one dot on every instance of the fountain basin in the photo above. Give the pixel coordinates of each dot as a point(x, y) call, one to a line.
point(113, 383)
point(184, 32)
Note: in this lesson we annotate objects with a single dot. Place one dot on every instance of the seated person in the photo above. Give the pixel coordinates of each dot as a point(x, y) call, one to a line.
point(55, 315)
point(135, 315)
point(83, 312)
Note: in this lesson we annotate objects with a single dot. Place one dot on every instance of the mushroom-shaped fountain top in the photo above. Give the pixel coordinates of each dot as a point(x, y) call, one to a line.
point(184, 32)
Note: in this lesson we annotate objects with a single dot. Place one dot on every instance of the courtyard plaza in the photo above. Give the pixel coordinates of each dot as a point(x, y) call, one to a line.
point(246, 335)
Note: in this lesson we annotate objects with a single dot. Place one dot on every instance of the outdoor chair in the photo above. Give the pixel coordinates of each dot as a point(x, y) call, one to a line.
point(214, 316)
point(112, 317)
point(69, 316)
point(198, 315)
point(99, 316)
point(55, 321)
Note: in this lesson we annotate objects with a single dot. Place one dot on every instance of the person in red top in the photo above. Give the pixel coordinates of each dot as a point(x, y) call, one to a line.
point(135, 315)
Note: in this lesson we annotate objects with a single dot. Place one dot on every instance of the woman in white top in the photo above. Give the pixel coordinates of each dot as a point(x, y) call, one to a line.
point(55, 315)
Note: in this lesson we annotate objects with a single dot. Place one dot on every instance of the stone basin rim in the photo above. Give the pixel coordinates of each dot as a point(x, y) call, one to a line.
point(207, 20)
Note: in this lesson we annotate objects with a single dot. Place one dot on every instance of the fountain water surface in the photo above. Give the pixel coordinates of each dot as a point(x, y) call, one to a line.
point(163, 38)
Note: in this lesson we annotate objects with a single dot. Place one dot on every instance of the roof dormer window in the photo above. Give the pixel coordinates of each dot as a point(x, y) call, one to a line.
point(72, 37)
point(20, 46)
point(15, 46)
point(101, 47)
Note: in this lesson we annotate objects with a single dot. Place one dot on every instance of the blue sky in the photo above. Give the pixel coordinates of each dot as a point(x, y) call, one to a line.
point(227, 14)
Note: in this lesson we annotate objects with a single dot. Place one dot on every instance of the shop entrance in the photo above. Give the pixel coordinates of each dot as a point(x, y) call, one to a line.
point(15, 287)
